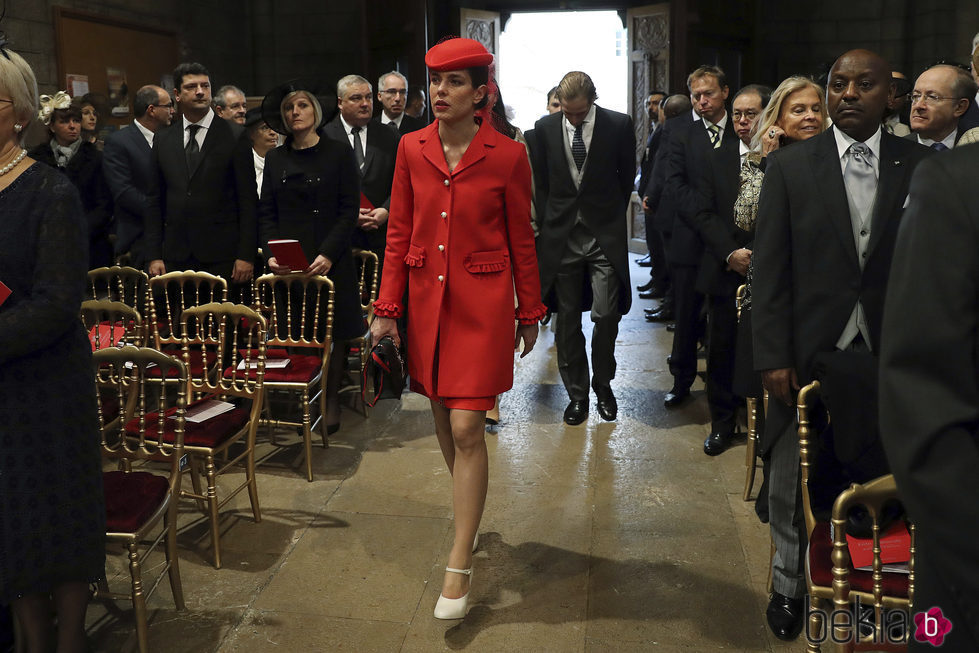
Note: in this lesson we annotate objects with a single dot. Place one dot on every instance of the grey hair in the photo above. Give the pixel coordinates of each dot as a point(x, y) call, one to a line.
point(220, 101)
point(350, 80)
point(18, 80)
point(380, 80)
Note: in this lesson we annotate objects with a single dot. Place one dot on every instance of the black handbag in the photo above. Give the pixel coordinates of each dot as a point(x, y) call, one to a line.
point(384, 374)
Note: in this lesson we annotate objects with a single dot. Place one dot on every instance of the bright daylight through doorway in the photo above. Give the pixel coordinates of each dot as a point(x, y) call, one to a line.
point(537, 49)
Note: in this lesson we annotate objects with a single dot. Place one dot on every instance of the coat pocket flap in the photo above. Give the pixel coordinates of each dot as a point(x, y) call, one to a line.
point(480, 262)
point(415, 258)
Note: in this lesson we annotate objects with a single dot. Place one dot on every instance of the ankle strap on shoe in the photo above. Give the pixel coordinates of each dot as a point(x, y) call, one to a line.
point(464, 572)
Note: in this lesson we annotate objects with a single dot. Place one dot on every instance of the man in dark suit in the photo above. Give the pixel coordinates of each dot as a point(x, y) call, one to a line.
point(724, 264)
point(677, 111)
point(828, 216)
point(939, 100)
point(655, 287)
point(392, 91)
point(686, 162)
point(194, 219)
point(584, 169)
point(929, 399)
point(128, 164)
point(375, 148)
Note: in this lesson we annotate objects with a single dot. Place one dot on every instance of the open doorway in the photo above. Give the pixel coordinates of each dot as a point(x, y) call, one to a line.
point(537, 49)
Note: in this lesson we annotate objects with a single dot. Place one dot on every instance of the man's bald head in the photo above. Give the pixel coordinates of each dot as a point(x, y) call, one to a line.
point(675, 105)
point(857, 93)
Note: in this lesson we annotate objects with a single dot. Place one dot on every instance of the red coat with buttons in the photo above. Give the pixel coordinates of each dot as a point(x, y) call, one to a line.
point(462, 242)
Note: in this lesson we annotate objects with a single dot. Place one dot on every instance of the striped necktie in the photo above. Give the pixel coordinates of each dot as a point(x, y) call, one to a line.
point(578, 148)
point(715, 136)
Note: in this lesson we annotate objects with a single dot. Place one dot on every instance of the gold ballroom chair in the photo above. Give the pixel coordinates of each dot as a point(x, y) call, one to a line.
point(225, 335)
point(358, 349)
point(112, 323)
point(832, 583)
point(136, 501)
point(751, 406)
point(121, 284)
point(171, 294)
point(300, 313)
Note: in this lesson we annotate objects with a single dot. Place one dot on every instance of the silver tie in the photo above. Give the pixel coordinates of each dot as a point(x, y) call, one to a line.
point(860, 179)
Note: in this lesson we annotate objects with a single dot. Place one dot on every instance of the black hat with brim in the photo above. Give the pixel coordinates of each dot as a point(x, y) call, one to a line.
point(253, 116)
point(272, 104)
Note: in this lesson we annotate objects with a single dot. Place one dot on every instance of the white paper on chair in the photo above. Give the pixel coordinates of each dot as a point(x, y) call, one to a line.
point(206, 410)
point(270, 364)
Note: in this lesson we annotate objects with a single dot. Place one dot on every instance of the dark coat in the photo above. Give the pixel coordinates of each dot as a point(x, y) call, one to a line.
point(199, 216)
point(648, 158)
point(714, 223)
point(128, 163)
point(602, 198)
point(686, 161)
point(313, 196)
point(659, 201)
point(929, 393)
point(85, 172)
point(410, 124)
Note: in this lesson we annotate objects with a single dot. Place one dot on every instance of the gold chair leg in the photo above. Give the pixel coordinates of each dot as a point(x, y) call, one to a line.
point(173, 563)
point(195, 480)
point(212, 505)
point(308, 433)
point(252, 485)
point(749, 457)
point(139, 600)
point(817, 623)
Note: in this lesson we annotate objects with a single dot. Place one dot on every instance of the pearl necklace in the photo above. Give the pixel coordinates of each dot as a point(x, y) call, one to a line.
point(13, 164)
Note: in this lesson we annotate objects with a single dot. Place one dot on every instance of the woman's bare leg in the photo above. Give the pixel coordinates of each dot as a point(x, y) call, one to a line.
point(443, 431)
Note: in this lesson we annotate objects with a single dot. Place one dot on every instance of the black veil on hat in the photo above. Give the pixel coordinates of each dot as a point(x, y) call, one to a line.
point(272, 102)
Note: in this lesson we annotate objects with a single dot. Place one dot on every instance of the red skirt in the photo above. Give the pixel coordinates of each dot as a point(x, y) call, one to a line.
point(457, 403)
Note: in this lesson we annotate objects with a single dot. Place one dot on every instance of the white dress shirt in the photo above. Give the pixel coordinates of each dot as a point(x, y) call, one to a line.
point(259, 162)
point(205, 124)
point(948, 141)
point(720, 124)
point(587, 129)
point(397, 121)
point(147, 134)
point(350, 137)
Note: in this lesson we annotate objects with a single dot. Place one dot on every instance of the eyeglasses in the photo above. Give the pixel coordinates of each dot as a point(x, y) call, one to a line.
point(738, 115)
point(395, 91)
point(929, 98)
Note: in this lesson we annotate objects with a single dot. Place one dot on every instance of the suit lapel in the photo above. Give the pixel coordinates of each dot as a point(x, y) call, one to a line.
point(894, 170)
point(369, 149)
point(212, 137)
point(598, 146)
point(828, 174)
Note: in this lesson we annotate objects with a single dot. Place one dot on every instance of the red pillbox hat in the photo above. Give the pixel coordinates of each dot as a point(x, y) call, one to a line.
point(457, 54)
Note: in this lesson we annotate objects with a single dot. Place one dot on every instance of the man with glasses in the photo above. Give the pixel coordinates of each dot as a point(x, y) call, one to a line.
point(940, 98)
point(127, 162)
point(375, 148)
point(392, 93)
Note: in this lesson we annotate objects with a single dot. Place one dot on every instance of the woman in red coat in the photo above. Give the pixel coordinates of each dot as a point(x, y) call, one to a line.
point(460, 227)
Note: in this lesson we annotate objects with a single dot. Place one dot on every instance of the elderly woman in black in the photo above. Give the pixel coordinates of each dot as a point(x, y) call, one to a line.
point(52, 512)
point(81, 162)
point(311, 193)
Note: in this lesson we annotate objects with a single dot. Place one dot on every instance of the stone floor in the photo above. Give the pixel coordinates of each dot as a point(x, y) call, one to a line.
point(616, 536)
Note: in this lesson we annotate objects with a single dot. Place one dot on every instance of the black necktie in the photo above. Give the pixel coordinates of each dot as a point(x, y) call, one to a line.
point(358, 147)
point(192, 149)
point(395, 127)
point(578, 148)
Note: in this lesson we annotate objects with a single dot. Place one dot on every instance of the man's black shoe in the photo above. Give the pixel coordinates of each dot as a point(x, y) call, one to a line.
point(576, 412)
point(785, 616)
point(671, 327)
point(717, 443)
point(646, 286)
point(645, 262)
point(662, 314)
point(607, 407)
point(654, 292)
point(675, 397)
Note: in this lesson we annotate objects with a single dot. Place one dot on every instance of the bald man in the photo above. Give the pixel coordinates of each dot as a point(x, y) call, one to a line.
point(828, 217)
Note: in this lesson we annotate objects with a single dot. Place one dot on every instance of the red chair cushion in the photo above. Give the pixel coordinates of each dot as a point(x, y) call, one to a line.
point(196, 364)
point(821, 567)
point(209, 433)
point(301, 369)
point(130, 499)
point(109, 405)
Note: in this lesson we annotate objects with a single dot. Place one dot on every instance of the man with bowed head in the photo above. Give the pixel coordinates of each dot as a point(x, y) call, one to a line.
point(828, 217)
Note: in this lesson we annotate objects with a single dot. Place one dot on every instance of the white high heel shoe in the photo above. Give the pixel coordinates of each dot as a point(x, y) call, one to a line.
point(454, 608)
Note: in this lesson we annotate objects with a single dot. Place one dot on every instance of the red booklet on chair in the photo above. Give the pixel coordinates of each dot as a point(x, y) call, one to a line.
point(895, 548)
point(288, 252)
point(4, 293)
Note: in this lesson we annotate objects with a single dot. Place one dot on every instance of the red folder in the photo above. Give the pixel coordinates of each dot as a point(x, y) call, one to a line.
point(4, 293)
point(365, 203)
point(895, 547)
point(289, 253)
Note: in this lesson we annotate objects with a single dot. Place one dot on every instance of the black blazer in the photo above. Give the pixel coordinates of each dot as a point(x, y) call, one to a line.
point(409, 124)
point(806, 274)
point(648, 157)
point(380, 153)
point(128, 163)
point(663, 203)
point(85, 172)
point(602, 198)
point(685, 165)
point(720, 185)
point(198, 216)
point(929, 394)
